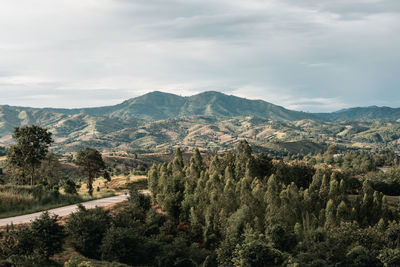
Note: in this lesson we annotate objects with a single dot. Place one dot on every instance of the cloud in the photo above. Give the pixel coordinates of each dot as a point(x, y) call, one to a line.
point(330, 54)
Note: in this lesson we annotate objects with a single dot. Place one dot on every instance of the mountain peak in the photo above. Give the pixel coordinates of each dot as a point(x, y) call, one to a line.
point(158, 105)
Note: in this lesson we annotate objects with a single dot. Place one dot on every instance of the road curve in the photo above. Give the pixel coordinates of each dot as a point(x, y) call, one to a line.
point(62, 211)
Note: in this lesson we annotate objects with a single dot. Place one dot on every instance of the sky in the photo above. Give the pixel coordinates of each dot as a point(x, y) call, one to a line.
point(309, 55)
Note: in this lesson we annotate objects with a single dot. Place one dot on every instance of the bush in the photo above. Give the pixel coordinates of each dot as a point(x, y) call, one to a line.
point(124, 245)
point(139, 200)
point(87, 229)
point(70, 187)
point(388, 183)
point(36, 243)
point(134, 212)
point(48, 235)
point(180, 253)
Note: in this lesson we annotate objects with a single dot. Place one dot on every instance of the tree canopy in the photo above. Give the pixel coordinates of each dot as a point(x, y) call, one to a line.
point(32, 146)
point(92, 163)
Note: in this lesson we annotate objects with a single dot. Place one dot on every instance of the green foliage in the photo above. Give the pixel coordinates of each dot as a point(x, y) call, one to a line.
point(281, 239)
point(92, 164)
point(34, 244)
point(86, 229)
point(390, 257)
point(31, 148)
point(304, 212)
point(256, 251)
point(50, 170)
point(15, 199)
point(245, 210)
point(360, 256)
point(124, 245)
point(70, 187)
point(386, 182)
point(47, 234)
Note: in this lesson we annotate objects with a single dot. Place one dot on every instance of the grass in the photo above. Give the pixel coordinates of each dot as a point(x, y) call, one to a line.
point(69, 257)
point(119, 184)
point(19, 200)
point(12, 204)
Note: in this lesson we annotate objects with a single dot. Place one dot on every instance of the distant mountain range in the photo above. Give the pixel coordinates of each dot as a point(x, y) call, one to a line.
point(158, 106)
point(151, 121)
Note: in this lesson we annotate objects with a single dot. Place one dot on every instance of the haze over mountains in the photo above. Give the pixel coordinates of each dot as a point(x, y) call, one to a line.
point(211, 119)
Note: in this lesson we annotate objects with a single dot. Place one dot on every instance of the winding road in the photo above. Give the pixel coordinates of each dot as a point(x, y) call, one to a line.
point(63, 211)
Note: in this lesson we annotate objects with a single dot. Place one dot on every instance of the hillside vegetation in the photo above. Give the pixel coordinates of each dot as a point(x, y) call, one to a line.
point(211, 121)
point(236, 209)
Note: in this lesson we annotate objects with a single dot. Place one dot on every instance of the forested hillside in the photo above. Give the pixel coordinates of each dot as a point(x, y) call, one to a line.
point(236, 209)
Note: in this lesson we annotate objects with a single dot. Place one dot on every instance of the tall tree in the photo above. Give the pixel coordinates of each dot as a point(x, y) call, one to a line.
point(92, 163)
point(32, 146)
point(50, 169)
point(242, 158)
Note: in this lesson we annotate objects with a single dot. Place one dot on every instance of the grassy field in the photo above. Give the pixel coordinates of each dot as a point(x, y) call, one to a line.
point(118, 184)
point(19, 200)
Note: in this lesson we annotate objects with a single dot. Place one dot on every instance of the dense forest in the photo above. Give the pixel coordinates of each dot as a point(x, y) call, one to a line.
point(235, 209)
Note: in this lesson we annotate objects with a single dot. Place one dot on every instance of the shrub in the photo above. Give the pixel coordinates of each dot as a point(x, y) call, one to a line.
point(36, 243)
point(70, 187)
point(87, 228)
point(123, 245)
point(48, 235)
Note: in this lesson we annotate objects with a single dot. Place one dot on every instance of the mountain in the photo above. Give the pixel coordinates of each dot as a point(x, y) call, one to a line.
point(363, 114)
point(211, 120)
point(218, 104)
point(159, 106)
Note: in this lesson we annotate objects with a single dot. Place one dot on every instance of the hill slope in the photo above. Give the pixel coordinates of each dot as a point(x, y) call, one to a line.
point(363, 114)
point(158, 121)
point(159, 105)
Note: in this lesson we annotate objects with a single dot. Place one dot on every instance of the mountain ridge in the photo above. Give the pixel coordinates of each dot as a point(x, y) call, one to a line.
point(159, 105)
point(158, 121)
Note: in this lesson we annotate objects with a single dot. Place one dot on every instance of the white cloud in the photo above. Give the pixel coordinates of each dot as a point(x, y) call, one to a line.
point(284, 50)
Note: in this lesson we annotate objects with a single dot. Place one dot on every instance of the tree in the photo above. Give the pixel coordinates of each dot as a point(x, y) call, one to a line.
point(92, 163)
point(123, 245)
point(32, 146)
point(390, 257)
point(48, 235)
point(87, 228)
point(330, 214)
point(50, 170)
point(360, 256)
point(70, 187)
point(255, 251)
point(242, 158)
point(41, 240)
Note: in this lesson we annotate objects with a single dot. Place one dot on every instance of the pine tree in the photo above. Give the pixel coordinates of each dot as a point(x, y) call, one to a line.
point(230, 200)
point(324, 189)
point(272, 200)
point(178, 161)
point(330, 214)
point(342, 212)
point(243, 156)
point(215, 166)
point(334, 191)
point(153, 176)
